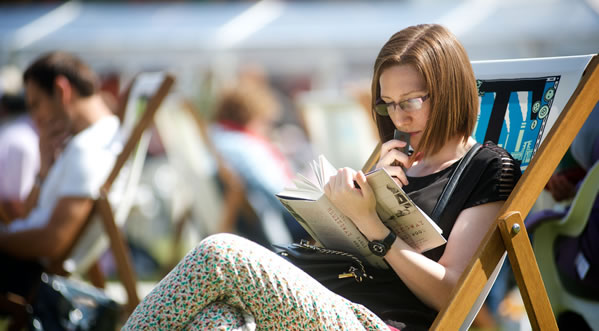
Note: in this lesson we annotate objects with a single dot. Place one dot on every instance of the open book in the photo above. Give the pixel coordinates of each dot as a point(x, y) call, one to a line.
point(331, 229)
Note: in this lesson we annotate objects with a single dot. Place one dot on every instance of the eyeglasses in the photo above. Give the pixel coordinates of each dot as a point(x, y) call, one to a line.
point(409, 105)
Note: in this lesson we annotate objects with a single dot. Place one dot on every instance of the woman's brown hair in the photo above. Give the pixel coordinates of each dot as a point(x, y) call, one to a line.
point(437, 54)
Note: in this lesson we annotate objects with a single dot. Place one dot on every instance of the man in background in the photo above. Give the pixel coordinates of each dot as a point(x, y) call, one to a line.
point(79, 142)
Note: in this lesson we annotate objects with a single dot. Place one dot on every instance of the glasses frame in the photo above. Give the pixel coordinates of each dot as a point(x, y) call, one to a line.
point(382, 107)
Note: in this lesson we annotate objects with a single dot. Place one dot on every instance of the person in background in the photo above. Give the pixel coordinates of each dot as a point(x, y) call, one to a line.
point(244, 118)
point(577, 258)
point(19, 156)
point(79, 142)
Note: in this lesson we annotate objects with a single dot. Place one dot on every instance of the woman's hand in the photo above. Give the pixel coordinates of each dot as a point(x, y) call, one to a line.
point(357, 203)
point(395, 162)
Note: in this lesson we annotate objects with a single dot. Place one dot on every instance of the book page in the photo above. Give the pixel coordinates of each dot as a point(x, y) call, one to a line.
point(326, 168)
point(319, 175)
point(301, 194)
point(400, 214)
point(305, 183)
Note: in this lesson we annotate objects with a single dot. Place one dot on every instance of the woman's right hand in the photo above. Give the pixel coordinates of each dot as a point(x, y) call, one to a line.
point(394, 161)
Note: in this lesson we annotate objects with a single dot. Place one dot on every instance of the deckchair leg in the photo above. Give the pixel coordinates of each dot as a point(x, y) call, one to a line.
point(96, 277)
point(180, 223)
point(120, 252)
point(526, 272)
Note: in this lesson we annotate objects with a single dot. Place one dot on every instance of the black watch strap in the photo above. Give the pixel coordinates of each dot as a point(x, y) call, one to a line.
point(381, 247)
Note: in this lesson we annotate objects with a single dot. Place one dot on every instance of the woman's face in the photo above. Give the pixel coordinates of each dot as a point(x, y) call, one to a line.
point(400, 83)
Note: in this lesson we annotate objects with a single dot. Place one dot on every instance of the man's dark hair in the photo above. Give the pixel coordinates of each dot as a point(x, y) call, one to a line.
point(51, 65)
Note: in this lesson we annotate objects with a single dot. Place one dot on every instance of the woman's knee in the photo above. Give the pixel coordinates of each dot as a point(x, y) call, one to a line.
point(216, 247)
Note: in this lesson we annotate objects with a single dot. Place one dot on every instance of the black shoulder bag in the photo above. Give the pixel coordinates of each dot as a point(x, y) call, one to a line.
point(346, 274)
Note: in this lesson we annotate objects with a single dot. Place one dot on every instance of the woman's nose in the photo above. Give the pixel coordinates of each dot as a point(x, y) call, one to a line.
point(400, 117)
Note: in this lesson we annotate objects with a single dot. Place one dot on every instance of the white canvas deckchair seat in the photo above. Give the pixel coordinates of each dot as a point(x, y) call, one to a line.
point(521, 134)
point(94, 241)
point(195, 168)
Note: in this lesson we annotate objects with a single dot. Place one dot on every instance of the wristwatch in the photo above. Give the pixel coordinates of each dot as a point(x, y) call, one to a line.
point(381, 247)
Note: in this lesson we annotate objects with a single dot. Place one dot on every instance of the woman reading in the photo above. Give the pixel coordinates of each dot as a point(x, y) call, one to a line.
point(423, 84)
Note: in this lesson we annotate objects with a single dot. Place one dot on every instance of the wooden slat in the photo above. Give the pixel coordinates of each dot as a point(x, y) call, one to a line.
point(123, 98)
point(372, 159)
point(140, 127)
point(118, 245)
point(526, 272)
point(120, 252)
point(95, 275)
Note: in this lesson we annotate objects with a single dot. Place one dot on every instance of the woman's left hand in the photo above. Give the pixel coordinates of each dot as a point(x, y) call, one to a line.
point(357, 203)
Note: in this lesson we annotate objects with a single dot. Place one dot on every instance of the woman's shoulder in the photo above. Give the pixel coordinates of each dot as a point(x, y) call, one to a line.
point(491, 155)
point(500, 171)
point(491, 152)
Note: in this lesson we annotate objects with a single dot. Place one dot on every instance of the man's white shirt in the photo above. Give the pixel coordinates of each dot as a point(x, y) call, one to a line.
point(79, 171)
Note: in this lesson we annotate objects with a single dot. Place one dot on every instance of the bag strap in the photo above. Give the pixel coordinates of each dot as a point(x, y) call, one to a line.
point(453, 182)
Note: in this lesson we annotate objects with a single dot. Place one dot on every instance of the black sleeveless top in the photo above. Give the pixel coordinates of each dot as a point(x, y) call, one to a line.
point(495, 182)
point(490, 176)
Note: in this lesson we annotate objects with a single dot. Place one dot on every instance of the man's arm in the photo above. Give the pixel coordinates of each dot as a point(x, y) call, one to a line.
point(54, 239)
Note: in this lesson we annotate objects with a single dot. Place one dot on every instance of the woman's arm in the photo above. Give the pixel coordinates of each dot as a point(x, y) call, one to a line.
point(432, 282)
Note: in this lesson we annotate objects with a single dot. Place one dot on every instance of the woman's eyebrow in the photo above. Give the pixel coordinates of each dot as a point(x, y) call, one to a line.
point(404, 95)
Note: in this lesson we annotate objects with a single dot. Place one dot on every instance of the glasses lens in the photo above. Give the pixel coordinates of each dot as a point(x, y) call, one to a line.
point(411, 104)
point(382, 109)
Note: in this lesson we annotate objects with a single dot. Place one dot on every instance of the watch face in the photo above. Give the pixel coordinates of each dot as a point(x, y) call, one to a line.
point(377, 248)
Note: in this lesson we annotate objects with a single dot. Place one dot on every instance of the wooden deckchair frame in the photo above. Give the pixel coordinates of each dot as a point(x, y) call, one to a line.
point(508, 234)
point(234, 198)
point(103, 207)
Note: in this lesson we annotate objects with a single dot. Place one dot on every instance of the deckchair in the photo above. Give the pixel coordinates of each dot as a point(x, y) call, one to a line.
point(102, 227)
point(337, 126)
point(90, 242)
point(571, 225)
point(191, 153)
point(508, 235)
point(237, 194)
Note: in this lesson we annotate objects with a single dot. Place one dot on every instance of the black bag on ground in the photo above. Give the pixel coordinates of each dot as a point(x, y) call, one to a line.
point(66, 304)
